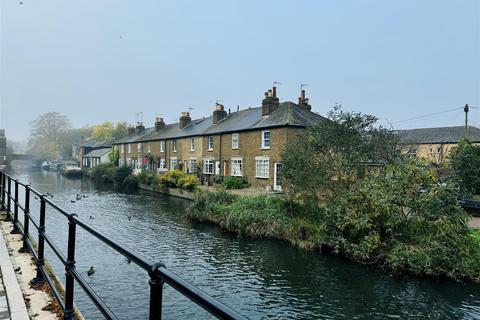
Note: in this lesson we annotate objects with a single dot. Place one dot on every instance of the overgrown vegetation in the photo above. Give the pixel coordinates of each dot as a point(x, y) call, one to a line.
point(108, 173)
point(399, 217)
point(465, 162)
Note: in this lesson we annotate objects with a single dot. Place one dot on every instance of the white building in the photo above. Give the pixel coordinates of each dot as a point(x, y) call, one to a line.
point(96, 157)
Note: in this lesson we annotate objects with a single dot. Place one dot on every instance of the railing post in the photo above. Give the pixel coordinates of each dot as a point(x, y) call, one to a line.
point(41, 242)
point(69, 283)
point(3, 190)
point(26, 221)
point(15, 209)
point(9, 192)
point(156, 292)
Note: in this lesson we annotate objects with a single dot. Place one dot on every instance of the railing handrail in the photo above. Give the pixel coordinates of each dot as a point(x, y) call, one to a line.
point(157, 271)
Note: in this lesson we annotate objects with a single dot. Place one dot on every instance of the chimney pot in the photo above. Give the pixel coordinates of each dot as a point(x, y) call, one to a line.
point(274, 91)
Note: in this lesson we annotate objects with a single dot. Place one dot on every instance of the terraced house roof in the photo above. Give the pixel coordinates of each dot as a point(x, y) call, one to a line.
point(438, 135)
point(287, 114)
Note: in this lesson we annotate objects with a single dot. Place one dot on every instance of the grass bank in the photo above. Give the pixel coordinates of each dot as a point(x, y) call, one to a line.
point(257, 217)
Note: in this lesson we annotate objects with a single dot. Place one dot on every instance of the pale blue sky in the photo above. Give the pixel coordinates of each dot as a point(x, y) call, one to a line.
point(105, 60)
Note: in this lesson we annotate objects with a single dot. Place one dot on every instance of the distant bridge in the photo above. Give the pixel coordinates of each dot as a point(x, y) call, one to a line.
point(20, 156)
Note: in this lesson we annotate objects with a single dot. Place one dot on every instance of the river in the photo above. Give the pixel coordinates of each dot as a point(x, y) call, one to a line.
point(262, 279)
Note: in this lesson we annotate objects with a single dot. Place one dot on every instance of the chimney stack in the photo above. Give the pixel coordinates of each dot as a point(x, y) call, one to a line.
point(159, 124)
point(219, 113)
point(303, 102)
point(139, 128)
point(185, 119)
point(271, 102)
point(131, 130)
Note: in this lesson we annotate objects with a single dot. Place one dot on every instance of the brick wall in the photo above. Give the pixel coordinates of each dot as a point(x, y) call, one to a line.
point(250, 146)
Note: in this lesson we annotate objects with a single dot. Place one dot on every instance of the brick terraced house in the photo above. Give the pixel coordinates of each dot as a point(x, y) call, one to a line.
point(247, 143)
point(435, 144)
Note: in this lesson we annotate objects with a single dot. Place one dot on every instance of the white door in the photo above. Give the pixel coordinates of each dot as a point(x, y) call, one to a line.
point(277, 176)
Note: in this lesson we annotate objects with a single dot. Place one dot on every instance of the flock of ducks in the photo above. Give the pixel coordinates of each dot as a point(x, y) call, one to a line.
point(79, 197)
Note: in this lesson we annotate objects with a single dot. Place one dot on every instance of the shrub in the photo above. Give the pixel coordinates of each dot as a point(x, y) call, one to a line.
point(130, 182)
point(121, 174)
point(233, 182)
point(188, 182)
point(179, 179)
point(387, 220)
point(170, 179)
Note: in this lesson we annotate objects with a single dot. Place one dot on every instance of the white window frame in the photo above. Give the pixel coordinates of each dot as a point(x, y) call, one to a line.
point(174, 145)
point(217, 167)
point(208, 166)
point(172, 160)
point(236, 167)
point(149, 148)
point(139, 147)
point(210, 143)
point(192, 144)
point(122, 148)
point(129, 148)
point(264, 145)
point(162, 145)
point(235, 140)
point(262, 161)
point(192, 167)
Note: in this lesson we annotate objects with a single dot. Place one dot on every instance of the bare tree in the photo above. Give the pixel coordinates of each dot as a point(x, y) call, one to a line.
point(46, 135)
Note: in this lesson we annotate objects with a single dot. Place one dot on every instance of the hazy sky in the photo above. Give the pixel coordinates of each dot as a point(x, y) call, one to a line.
point(106, 60)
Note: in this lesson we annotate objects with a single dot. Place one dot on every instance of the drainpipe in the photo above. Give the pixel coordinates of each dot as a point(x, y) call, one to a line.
point(220, 155)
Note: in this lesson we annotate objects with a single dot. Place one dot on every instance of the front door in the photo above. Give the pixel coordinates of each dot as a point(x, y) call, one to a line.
point(277, 177)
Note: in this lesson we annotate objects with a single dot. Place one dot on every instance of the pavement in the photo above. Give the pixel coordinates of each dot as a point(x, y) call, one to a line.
point(4, 311)
point(12, 303)
point(475, 222)
point(17, 269)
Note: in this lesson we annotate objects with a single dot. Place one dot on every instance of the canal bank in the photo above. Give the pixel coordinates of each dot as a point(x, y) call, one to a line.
point(259, 278)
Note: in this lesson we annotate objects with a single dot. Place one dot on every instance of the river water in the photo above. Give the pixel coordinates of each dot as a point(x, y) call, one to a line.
point(262, 279)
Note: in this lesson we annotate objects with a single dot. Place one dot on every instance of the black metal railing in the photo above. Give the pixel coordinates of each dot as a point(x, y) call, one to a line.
point(157, 271)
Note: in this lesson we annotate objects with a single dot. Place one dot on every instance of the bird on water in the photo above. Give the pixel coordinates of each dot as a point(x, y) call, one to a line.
point(91, 271)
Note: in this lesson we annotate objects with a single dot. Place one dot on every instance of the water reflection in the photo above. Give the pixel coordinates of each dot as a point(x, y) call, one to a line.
point(261, 279)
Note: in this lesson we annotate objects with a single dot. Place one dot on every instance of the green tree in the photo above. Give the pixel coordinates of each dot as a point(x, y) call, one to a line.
point(104, 130)
point(109, 130)
point(329, 156)
point(46, 135)
point(465, 162)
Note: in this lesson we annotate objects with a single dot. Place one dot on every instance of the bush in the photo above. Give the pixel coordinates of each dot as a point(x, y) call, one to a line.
point(188, 182)
point(233, 182)
point(130, 182)
point(171, 178)
point(108, 173)
point(404, 220)
point(179, 179)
